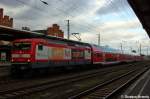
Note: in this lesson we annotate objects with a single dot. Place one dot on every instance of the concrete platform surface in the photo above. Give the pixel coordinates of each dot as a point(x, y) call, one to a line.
point(140, 89)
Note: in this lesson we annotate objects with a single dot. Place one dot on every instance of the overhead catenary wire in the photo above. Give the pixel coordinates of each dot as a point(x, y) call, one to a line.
point(44, 13)
point(62, 11)
point(87, 27)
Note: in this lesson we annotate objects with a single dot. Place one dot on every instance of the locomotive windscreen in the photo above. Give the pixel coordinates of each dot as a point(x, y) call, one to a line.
point(21, 46)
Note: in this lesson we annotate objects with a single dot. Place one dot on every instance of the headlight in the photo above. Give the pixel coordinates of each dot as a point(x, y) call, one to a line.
point(12, 60)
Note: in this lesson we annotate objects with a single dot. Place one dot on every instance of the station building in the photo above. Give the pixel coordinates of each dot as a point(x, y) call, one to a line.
point(5, 20)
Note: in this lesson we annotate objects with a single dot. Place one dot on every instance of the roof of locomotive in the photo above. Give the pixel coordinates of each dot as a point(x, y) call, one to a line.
point(56, 41)
point(67, 41)
point(104, 49)
point(30, 40)
point(111, 50)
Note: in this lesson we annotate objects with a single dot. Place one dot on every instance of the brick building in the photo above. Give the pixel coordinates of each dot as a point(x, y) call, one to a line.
point(5, 20)
point(55, 31)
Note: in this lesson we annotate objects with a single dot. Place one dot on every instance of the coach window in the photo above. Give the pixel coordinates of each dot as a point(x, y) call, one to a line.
point(40, 47)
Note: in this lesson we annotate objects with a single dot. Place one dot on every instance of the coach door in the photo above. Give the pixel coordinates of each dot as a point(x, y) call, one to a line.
point(41, 53)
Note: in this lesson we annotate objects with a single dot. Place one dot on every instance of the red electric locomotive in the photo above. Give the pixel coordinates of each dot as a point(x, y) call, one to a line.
point(29, 54)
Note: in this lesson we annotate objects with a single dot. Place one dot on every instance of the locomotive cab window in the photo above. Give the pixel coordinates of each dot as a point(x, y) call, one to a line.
point(21, 46)
point(40, 47)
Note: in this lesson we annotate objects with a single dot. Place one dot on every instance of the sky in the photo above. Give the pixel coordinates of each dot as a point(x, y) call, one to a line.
point(114, 20)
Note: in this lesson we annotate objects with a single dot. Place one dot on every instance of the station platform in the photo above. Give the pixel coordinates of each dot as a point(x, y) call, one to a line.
point(139, 89)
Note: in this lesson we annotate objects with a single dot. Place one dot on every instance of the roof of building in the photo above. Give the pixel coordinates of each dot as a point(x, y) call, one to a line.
point(10, 34)
point(105, 49)
point(40, 31)
point(142, 10)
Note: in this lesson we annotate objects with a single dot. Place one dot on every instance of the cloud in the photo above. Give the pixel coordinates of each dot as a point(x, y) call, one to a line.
point(120, 25)
point(113, 6)
point(35, 12)
point(12, 3)
point(114, 39)
point(88, 17)
point(57, 8)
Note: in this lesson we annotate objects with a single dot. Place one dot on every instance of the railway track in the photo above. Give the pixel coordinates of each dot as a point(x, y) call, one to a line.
point(7, 79)
point(4, 71)
point(109, 88)
point(28, 87)
point(25, 88)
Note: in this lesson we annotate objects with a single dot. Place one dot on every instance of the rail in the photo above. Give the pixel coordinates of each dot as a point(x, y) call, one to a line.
point(107, 89)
